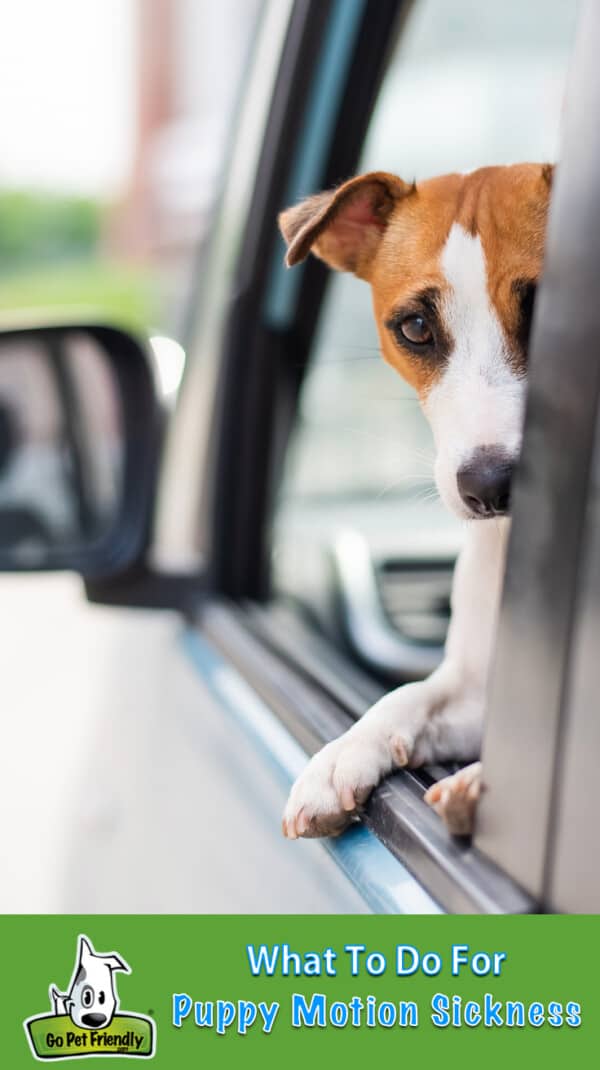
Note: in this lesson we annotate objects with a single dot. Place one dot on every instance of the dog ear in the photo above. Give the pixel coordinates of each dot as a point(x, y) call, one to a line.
point(114, 962)
point(343, 226)
point(85, 951)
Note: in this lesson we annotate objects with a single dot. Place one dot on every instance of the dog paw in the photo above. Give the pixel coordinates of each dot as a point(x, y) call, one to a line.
point(455, 799)
point(338, 781)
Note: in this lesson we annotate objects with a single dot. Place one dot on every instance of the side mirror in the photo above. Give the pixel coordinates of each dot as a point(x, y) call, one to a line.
point(79, 438)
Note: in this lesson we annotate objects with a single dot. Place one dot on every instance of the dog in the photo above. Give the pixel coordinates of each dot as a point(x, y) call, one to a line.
point(91, 1001)
point(453, 264)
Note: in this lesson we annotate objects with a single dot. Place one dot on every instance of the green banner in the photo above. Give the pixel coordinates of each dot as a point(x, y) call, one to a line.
point(183, 991)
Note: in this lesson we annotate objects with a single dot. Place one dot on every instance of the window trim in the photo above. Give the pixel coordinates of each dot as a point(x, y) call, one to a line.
point(522, 753)
point(383, 883)
point(315, 703)
point(262, 362)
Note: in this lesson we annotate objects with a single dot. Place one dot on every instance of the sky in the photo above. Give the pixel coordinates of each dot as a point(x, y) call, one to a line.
point(66, 94)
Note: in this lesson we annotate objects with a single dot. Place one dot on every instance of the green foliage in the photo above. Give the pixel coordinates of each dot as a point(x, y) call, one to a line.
point(50, 259)
point(99, 289)
point(38, 228)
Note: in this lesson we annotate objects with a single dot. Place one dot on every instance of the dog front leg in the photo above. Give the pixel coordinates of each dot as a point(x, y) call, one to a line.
point(417, 723)
point(455, 798)
point(438, 719)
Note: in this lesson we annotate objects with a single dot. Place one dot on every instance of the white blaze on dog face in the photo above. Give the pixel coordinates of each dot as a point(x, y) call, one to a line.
point(477, 401)
point(92, 1000)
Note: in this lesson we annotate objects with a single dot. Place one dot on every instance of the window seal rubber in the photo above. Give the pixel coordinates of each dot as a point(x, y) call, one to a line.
point(285, 673)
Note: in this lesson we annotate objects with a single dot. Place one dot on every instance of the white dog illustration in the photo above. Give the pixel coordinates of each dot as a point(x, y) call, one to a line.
point(91, 1000)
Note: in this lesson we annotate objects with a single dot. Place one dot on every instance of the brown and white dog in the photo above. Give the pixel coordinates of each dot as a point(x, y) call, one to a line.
point(453, 263)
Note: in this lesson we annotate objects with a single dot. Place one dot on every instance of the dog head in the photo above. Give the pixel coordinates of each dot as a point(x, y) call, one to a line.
point(92, 1000)
point(453, 265)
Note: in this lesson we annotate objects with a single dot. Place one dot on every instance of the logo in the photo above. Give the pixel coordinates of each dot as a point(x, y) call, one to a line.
point(85, 1020)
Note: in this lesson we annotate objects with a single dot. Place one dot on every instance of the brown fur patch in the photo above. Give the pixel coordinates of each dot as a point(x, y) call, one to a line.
point(506, 207)
point(398, 247)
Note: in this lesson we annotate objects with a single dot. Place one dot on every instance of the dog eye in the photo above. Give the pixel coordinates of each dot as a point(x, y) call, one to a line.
point(87, 996)
point(415, 330)
point(101, 997)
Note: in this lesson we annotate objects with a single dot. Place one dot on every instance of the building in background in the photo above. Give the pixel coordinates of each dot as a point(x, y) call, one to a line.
point(114, 115)
point(189, 56)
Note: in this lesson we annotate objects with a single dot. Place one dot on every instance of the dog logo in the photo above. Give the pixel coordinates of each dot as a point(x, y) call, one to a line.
point(85, 1021)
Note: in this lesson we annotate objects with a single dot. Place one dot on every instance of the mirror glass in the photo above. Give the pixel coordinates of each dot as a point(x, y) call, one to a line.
point(61, 443)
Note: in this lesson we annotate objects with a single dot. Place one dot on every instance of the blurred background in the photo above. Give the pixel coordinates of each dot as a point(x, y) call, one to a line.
point(114, 117)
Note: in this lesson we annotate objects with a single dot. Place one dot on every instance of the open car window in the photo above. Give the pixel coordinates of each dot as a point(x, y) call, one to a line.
point(361, 539)
point(357, 550)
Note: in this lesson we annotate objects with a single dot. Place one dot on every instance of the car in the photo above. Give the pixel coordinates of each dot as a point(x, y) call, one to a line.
point(269, 568)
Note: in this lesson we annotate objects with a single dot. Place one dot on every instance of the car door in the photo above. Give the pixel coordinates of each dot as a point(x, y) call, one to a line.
point(294, 589)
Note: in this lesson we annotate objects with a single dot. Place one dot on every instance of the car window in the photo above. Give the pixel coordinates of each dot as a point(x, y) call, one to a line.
point(468, 84)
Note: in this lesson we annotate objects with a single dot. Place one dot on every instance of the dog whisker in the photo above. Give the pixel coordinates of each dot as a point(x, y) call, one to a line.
point(389, 487)
point(395, 400)
point(401, 448)
point(326, 361)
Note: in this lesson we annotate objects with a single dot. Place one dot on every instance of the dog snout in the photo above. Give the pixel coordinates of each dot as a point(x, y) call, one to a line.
point(93, 1020)
point(484, 483)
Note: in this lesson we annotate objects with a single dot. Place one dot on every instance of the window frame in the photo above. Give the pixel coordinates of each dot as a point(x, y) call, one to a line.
point(541, 664)
point(313, 698)
point(269, 326)
point(316, 694)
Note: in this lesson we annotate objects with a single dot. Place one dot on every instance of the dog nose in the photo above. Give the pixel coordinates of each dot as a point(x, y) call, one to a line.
point(484, 483)
point(93, 1020)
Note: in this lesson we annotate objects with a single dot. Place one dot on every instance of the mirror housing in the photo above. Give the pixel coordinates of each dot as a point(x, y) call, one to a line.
point(80, 434)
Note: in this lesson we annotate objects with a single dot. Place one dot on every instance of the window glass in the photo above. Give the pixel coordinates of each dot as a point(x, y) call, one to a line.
point(469, 84)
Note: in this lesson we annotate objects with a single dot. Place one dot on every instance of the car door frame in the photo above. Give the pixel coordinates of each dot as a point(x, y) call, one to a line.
point(540, 732)
point(266, 344)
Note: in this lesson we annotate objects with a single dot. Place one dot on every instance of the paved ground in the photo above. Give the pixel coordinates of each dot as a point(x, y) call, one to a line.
point(122, 788)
